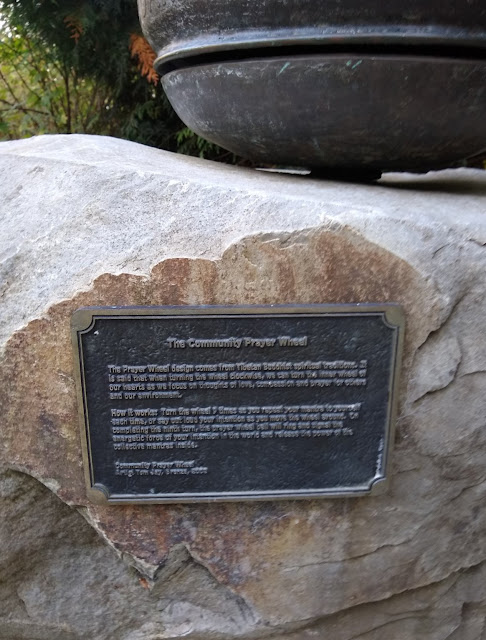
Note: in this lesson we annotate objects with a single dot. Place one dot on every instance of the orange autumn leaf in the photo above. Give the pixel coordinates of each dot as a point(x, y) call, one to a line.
point(143, 52)
point(75, 26)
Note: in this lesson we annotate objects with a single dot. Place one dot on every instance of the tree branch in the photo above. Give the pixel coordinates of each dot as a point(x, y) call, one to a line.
point(68, 100)
point(9, 88)
point(20, 107)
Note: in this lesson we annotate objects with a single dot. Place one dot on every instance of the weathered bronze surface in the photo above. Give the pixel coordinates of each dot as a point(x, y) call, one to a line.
point(344, 112)
point(228, 403)
point(338, 86)
point(178, 29)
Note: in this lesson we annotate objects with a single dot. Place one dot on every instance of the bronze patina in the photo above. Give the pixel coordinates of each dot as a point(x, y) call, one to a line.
point(185, 404)
point(338, 86)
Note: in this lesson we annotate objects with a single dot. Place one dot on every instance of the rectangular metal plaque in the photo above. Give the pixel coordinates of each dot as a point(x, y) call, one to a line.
point(182, 404)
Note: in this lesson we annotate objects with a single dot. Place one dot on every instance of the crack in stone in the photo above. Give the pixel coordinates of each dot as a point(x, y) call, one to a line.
point(436, 332)
point(427, 394)
point(310, 624)
point(444, 322)
point(468, 488)
point(472, 373)
point(478, 242)
point(179, 559)
point(357, 557)
point(385, 624)
point(447, 244)
point(246, 610)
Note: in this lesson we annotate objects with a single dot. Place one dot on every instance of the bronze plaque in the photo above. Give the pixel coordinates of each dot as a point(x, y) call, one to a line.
point(183, 404)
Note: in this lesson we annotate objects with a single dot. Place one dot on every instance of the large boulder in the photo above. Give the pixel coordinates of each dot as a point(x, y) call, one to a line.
point(97, 221)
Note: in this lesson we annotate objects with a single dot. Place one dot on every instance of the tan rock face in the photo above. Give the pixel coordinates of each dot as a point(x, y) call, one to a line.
point(348, 567)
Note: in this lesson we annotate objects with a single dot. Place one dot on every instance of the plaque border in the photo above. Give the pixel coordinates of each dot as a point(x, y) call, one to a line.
point(84, 319)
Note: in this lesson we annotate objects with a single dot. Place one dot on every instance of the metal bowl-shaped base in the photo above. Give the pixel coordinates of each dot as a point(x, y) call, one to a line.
point(346, 112)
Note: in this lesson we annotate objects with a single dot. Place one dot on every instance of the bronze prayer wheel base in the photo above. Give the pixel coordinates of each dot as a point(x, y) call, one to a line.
point(338, 113)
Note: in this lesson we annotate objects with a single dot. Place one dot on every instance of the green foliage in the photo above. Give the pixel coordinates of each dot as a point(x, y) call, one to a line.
point(191, 144)
point(42, 94)
point(68, 66)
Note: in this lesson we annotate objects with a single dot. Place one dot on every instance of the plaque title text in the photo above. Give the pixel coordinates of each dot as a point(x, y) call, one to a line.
point(236, 342)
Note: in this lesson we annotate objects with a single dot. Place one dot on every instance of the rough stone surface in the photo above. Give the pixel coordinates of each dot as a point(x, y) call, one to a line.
point(89, 220)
